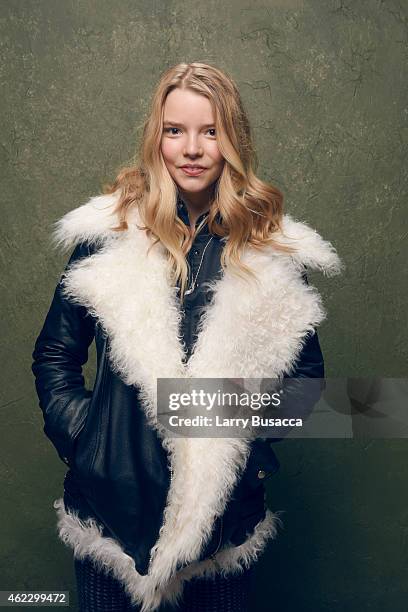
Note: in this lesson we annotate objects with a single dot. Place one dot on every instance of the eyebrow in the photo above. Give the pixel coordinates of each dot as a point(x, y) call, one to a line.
point(176, 124)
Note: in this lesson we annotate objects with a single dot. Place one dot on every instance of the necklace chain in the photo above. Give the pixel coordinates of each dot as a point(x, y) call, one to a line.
point(194, 280)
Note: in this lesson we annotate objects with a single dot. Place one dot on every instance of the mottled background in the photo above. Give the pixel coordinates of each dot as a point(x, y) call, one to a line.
point(325, 84)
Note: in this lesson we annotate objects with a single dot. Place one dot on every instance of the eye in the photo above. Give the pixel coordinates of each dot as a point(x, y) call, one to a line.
point(168, 130)
point(211, 130)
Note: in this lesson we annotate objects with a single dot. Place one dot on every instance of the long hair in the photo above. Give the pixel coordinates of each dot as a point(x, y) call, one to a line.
point(250, 210)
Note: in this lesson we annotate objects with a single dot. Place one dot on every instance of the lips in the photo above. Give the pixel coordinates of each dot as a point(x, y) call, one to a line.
point(193, 170)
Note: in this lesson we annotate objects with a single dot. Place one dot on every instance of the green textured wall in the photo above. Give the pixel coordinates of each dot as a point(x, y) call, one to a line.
point(325, 84)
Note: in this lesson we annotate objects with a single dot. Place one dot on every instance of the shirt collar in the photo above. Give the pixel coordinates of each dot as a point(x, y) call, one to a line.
point(183, 215)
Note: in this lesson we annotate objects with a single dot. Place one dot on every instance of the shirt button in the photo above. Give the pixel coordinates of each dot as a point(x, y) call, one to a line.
point(196, 252)
point(261, 474)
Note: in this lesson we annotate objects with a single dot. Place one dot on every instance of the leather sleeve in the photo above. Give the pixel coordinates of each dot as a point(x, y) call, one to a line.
point(310, 361)
point(60, 351)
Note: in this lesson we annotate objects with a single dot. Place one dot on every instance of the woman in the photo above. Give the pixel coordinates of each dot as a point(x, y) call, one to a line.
point(184, 267)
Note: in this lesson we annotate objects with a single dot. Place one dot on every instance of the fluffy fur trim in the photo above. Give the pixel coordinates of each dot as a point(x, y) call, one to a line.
point(106, 553)
point(92, 221)
point(258, 336)
point(313, 251)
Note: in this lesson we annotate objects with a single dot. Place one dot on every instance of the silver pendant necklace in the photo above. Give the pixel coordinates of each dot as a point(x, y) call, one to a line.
point(194, 280)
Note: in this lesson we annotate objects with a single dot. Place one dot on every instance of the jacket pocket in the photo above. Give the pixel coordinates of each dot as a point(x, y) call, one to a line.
point(64, 425)
point(77, 433)
point(95, 426)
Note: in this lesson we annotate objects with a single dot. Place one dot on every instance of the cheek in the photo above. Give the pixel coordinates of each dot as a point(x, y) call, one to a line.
point(216, 155)
point(169, 150)
point(219, 162)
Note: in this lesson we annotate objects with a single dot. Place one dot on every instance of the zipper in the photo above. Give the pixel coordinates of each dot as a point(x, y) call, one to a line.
point(102, 393)
point(213, 555)
point(220, 540)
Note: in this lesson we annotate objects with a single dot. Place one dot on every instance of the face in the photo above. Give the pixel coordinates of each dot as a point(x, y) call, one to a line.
point(189, 139)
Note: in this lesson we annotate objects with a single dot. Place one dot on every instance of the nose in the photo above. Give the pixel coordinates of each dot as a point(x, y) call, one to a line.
point(192, 147)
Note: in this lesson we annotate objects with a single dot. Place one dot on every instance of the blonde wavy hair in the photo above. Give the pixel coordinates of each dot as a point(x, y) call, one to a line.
point(250, 209)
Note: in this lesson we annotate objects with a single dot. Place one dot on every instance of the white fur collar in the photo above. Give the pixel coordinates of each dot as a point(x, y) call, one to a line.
point(260, 336)
point(92, 221)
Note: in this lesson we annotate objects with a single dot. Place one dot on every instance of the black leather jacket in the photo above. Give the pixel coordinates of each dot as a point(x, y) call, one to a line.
point(118, 469)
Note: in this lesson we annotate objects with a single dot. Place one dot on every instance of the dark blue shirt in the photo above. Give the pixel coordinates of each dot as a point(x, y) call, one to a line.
point(210, 270)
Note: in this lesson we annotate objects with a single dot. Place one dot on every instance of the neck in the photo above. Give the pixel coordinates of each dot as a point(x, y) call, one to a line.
point(197, 204)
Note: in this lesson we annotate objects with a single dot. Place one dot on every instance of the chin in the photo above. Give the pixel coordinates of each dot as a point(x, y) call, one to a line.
point(193, 185)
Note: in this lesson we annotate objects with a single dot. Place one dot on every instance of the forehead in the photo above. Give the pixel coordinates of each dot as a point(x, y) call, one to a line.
point(184, 105)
